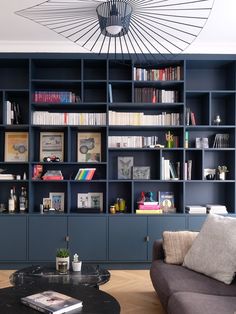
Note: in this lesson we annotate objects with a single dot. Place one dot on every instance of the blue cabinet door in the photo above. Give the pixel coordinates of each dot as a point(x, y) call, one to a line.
point(127, 238)
point(195, 222)
point(46, 235)
point(88, 237)
point(13, 238)
point(156, 226)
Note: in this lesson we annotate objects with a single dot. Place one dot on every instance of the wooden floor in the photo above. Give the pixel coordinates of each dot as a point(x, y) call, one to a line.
point(132, 288)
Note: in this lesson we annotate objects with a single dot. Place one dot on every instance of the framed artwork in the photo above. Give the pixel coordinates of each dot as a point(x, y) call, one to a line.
point(16, 146)
point(89, 147)
point(124, 167)
point(83, 200)
point(96, 200)
point(202, 142)
point(47, 203)
point(141, 173)
point(51, 144)
point(57, 201)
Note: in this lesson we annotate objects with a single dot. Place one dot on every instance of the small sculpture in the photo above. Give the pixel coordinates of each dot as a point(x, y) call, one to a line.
point(76, 263)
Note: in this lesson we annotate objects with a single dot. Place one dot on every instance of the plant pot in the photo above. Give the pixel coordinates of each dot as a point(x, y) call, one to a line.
point(63, 259)
point(76, 266)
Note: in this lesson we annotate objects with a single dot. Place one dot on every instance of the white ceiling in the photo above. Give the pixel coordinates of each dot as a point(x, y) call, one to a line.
point(18, 34)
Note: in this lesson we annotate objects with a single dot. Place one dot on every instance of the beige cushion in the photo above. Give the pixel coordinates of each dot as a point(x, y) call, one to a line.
point(176, 245)
point(213, 253)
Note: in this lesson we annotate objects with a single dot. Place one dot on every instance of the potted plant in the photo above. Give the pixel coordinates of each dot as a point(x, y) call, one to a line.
point(62, 257)
point(76, 263)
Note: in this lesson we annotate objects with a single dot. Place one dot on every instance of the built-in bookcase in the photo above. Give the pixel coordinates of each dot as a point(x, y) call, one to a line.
point(128, 100)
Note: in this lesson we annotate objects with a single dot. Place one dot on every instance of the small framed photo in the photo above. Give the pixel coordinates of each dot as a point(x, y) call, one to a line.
point(83, 200)
point(124, 167)
point(47, 204)
point(51, 144)
point(96, 200)
point(88, 147)
point(16, 146)
point(202, 142)
point(57, 201)
point(141, 173)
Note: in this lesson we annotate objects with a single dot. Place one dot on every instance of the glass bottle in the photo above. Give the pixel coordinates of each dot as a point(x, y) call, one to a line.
point(11, 202)
point(22, 200)
point(15, 197)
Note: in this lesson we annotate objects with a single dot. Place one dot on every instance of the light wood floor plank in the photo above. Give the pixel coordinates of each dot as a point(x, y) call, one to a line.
point(132, 288)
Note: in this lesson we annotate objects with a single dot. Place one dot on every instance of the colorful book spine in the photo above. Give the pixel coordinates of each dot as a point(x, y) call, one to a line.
point(149, 207)
point(85, 174)
point(149, 211)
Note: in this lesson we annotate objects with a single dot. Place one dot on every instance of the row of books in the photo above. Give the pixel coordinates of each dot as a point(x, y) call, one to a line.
point(188, 170)
point(68, 118)
point(208, 208)
point(154, 95)
point(132, 141)
point(164, 74)
point(63, 97)
point(140, 118)
point(13, 114)
point(85, 174)
point(190, 117)
point(170, 170)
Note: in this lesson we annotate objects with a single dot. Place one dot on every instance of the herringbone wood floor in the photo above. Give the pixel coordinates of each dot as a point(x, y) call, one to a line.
point(132, 288)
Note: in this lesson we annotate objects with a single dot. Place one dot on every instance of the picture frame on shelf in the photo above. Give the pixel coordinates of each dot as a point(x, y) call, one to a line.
point(47, 203)
point(124, 167)
point(202, 142)
point(167, 201)
point(57, 200)
point(96, 200)
point(51, 144)
point(82, 200)
point(141, 173)
point(88, 147)
point(16, 146)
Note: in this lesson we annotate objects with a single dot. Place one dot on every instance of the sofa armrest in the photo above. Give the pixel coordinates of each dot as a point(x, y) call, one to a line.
point(157, 251)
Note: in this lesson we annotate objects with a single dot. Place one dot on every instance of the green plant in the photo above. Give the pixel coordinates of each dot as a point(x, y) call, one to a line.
point(63, 252)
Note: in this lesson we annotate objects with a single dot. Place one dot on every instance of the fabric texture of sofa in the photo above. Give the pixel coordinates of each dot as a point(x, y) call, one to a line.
point(183, 291)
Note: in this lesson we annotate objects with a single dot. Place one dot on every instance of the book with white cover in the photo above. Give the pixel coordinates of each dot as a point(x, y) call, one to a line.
point(51, 302)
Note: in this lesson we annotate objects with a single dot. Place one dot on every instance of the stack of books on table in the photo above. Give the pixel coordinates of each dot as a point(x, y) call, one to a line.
point(216, 209)
point(148, 208)
point(196, 209)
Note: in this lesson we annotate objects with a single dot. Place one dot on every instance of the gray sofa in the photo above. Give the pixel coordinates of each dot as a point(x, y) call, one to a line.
point(183, 291)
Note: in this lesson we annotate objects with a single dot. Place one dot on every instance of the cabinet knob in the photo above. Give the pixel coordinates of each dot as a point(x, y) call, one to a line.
point(147, 239)
point(67, 238)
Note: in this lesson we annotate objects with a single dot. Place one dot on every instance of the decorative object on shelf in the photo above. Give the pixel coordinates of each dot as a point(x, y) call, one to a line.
point(76, 263)
point(141, 173)
point(89, 147)
point(202, 142)
point(124, 26)
point(169, 140)
point(209, 173)
point(51, 146)
point(124, 167)
point(221, 172)
point(37, 172)
point(53, 175)
point(120, 205)
point(166, 201)
point(112, 209)
point(91, 202)
point(217, 120)
point(62, 260)
point(221, 141)
point(57, 199)
point(16, 146)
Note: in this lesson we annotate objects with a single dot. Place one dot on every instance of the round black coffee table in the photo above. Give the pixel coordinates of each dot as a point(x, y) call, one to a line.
point(94, 300)
point(90, 275)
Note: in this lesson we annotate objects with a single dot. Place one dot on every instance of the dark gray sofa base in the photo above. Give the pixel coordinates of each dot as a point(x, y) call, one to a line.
point(183, 291)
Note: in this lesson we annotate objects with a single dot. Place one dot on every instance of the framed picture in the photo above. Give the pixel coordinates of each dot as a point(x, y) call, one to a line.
point(96, 200)
point(51, 144)
point(141, 173)
point(57, 201)
point(83, 200)
point(89, 147)
point(202, 142)
point(16, 146)
point(47, 203)
point(124, 167)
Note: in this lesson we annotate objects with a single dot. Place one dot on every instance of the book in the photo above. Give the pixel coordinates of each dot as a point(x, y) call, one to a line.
point(149, 211)
point(148, 207)
point(166, 201)
point(52, 302)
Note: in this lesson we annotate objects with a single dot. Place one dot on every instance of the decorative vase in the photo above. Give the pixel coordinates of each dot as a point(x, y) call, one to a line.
point(61, 260)
point(76, 266)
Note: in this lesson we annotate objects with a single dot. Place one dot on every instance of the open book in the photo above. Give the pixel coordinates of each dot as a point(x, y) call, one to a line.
point(51, 302)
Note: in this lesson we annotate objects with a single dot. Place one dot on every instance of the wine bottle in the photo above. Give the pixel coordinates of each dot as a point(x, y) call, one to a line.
point(11, 202)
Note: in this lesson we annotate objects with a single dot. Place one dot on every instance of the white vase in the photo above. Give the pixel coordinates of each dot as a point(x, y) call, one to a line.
point(63, 259)
point(76, 266)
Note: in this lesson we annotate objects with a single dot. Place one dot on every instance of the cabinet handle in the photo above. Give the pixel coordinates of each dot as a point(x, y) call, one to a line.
point(67, 238)
point(147, 239)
